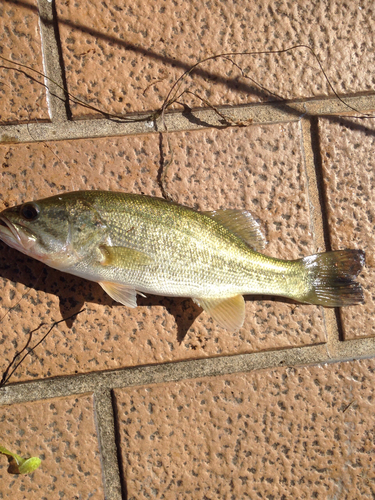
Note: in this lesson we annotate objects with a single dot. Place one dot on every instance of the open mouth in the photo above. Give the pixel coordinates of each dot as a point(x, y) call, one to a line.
point(15, 235)
point(8, 232)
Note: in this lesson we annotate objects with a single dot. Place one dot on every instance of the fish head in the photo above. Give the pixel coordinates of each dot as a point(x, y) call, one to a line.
point(59, 231)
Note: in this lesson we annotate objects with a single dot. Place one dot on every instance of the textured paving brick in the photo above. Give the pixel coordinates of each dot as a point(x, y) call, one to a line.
point(349, 179)
point(126, 56)
point(287, 433)
point(62, 433)
point(255, 168)
point(21, 98)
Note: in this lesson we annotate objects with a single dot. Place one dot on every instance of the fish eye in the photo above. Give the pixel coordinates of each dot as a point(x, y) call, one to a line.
point(29, 211)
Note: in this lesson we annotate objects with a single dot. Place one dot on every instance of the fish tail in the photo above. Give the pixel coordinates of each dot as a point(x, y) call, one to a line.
point(331, 276)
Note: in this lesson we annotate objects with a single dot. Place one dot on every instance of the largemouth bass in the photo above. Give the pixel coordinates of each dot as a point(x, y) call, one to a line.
point(131, 244)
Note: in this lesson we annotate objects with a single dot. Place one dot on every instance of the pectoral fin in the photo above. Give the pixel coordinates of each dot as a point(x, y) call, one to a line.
point(228, 312)
point(125, 294)
point(124, 257)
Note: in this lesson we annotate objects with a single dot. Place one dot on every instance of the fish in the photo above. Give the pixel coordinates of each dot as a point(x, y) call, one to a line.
point(136, 244)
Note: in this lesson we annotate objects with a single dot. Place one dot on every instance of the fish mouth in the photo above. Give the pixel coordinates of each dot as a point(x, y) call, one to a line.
point(16, 235)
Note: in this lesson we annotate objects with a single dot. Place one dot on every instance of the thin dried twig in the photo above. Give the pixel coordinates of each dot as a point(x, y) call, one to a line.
point(13, 366)
point(175, 92)
point(72, 97)
point(175, 89)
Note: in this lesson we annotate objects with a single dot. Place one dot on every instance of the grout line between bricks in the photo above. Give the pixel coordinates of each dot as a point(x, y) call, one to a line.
point(321, 195)
point(309, 158)
point(332, 317)
point(103, 409)
point(312, 159)
point(53, 63)
point(260, 113)
point(170, 372)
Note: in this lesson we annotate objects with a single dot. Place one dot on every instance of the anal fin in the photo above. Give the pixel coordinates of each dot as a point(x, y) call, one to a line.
point(125, 294)
point(228, 312)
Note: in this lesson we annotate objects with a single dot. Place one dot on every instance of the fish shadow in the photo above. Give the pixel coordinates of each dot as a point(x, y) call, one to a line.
point(19, 268)
point(183, 309)
point(73, 292)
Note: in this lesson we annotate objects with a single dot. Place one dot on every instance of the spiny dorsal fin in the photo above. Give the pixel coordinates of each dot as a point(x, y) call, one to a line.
point(242, 224)
point(228, 312)
point(125, 294)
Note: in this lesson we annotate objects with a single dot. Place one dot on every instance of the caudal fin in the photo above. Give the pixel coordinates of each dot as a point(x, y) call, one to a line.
point(332, 278)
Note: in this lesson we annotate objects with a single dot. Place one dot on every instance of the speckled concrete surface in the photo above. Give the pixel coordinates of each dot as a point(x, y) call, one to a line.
point(159, 401)
point(301, 433)
point(62, 433)
point(125, 57)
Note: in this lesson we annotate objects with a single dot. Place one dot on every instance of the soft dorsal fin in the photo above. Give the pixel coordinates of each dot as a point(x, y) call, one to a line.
point(228, 312)
point(125, 294)
point(242, 224)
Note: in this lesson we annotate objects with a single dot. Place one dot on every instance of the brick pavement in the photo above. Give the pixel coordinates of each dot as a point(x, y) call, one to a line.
point(159, 402)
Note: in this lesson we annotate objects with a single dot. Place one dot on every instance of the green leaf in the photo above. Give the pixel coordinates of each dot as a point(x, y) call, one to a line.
point(29, 465)
point(21, 465)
